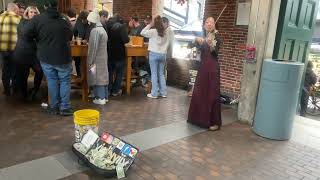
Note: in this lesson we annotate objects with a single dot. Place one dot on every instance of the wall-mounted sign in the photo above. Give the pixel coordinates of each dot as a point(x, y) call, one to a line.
point(250, 55)
point(243, 12)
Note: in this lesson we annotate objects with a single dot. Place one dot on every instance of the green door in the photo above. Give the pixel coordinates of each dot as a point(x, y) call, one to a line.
point(295, 29)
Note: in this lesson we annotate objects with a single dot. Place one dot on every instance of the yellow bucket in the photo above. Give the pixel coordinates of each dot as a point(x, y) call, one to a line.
point(85, 120)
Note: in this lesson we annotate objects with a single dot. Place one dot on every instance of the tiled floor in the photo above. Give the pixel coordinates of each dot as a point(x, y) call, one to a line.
point(232, 153)
point(235, 152)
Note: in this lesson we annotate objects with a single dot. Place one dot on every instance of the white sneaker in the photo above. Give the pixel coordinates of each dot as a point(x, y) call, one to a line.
point(99, 101)
point(163, 96)
point(150, 96)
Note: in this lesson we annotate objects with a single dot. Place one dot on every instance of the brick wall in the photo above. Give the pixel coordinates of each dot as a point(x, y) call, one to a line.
point(127, 8)
point(234, 37)
point(79, 5)
point(178, 73)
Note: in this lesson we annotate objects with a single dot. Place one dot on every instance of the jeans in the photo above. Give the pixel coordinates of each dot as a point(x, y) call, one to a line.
point(59, 84)
point(116, 67)
point(101, 92)
point(157, 62)
point(7, 71)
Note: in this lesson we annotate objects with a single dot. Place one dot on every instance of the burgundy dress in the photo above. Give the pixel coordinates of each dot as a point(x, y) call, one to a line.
point(205, 109)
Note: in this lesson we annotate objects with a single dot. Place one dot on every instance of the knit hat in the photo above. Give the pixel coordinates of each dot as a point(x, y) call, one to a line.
point(93, 17)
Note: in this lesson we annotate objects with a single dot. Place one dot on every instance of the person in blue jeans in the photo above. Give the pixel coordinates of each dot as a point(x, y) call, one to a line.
point(58, 78)
point(159, 40)
point(53, 34)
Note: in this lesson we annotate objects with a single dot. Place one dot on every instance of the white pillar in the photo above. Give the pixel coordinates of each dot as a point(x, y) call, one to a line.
point(95, 2)
point(157, 7)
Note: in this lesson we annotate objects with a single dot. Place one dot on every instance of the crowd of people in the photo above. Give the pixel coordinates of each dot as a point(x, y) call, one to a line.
point(41, 42)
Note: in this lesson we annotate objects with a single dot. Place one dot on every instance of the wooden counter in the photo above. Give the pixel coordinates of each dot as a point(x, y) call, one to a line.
point(82, 52)
point(132, 51)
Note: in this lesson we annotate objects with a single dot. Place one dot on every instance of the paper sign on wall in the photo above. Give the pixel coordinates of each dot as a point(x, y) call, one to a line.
point(243, 13)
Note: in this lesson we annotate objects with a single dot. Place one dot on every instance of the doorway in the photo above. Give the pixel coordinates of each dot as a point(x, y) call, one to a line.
point(296, 25)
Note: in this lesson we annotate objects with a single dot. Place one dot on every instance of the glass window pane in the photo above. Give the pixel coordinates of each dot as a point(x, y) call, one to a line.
point(167, 4)
point(180, 9)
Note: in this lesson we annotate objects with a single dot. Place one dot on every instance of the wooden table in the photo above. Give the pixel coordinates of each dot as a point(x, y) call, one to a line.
point(82, 52)
point(132, 51)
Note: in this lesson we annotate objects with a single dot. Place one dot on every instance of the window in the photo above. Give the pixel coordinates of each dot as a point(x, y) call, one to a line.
point(186, 15)
point(173, 6)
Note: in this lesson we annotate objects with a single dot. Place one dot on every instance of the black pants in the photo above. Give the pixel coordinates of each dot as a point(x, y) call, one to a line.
point(7, 71)
point(77, 64)
point(21, 78)
point(304, 102)
point(116, 70)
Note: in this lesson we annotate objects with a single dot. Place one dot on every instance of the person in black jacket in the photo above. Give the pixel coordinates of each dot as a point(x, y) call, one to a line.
point(81, 30)
point(72, 15)
point(53, 34)
point(309, 81)
point(25, 57)
point(118, 37)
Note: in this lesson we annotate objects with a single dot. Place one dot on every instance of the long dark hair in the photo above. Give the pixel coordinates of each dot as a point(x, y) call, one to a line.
point(159, 26)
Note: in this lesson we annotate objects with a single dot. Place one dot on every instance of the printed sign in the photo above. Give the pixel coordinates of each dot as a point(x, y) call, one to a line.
point(89, 139)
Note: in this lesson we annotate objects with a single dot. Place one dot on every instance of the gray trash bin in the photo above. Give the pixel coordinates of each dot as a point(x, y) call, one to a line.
point(277, 99)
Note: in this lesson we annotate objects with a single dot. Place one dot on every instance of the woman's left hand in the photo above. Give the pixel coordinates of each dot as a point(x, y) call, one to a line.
point(199, 40)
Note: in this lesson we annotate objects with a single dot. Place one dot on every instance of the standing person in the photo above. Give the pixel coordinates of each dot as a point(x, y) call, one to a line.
point(166, 25)
point(118, 36)
point(159, 40)
point(9, 21)
point(81, 30)
point(25, 57)
point(72, 15)
point(21, 9)
point(104, 15)
point(135, 26)
point(53, 34)
point(147, 20)
point(98, 60)
point(205, 108)
point(309, 81)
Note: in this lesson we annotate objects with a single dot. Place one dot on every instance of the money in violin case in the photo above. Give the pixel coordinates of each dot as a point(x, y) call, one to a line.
point(105, 154)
